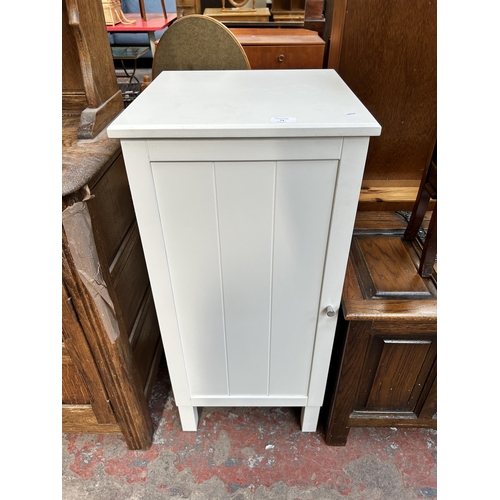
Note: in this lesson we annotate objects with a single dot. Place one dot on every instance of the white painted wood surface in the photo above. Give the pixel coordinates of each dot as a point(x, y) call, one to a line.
point(245, 104)
point(304, 197)
point(246, 223)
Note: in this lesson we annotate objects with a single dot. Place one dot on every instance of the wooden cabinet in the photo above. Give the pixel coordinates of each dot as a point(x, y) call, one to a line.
point(384, 365)
point(276, 48)
point(111, 340)
point(111, 345)
point(246, 217)
point(386, 51)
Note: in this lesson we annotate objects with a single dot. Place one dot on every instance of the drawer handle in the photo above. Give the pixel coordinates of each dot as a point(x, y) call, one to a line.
point(330, 311)
point(281, 58)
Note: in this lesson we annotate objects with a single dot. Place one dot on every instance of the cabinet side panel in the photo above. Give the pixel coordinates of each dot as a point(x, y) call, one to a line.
point(304, 197)
point(186, 200)
point(245, 194)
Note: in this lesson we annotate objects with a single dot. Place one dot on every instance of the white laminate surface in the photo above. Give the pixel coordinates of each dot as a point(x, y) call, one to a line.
point(291, 103)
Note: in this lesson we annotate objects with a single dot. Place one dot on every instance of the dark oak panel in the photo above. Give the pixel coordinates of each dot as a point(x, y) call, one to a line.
point(387, 269)
point(396, 377)
point(386, 51)
point(145, 340)
point(129, 277)
point(111, 202)
point(383, 368)
point(389, 60)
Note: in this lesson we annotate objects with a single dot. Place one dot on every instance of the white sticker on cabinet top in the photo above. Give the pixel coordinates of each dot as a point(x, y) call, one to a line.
point(284, 120)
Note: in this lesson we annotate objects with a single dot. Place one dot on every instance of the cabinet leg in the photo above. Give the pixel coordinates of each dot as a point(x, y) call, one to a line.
point(309, 418)
point(189, 417)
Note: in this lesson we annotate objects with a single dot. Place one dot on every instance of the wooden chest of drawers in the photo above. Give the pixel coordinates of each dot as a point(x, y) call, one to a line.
point(277, 48)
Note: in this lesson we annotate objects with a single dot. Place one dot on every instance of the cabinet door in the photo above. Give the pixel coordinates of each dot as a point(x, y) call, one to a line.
point(246, 244)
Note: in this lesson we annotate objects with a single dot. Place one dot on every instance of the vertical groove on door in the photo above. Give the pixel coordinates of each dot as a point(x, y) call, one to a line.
point(269, 353)
point(217, 222)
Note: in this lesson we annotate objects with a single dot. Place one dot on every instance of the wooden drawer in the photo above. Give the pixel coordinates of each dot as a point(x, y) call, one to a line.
point(285, 57)
point(271, 48)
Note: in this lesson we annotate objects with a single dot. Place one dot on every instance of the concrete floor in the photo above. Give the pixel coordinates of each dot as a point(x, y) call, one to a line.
point(248, 453)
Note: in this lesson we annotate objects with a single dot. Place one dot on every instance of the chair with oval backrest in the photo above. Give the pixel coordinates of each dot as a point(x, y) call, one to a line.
point(198, 42)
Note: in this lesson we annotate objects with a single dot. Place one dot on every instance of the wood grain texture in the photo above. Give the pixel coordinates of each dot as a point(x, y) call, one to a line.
point(377, 222)
point(116, 366)
point(77, 349)
point(129, 277)
point(274, 48)
point(117, 380)
point(89, 88)
point(396, 376)
point(81, 418)
point(385, 50)
point(73, 387)
point(86, 20)
point(146, 342)
point(388, 269)
point(383, 370)
point(111, 200)
point(285, 57)
point(123, 264)
point(276, 36)
point(359, 299)
point(334, 31)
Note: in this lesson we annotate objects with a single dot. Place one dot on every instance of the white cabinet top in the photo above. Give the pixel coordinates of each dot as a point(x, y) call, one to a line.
point(253, 103)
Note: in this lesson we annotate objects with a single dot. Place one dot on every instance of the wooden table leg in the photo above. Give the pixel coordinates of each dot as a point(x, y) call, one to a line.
point(143, 10)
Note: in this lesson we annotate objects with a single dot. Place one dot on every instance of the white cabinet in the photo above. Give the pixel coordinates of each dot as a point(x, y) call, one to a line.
point(245, 198)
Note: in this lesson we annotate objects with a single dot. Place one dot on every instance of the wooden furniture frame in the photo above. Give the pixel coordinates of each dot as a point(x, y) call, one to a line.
point(384, 365)
point(111, 346)
point(386, 51)
point(144, 14)
point(426, 191)
point(277, 48)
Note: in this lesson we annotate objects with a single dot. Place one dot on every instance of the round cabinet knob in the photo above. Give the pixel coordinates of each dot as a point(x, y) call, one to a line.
point(330, 311)
point(281, 58)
